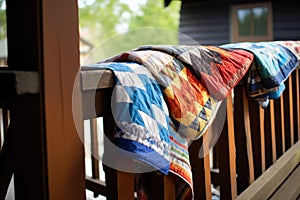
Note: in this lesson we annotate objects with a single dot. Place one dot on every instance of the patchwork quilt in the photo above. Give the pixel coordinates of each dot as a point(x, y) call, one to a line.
point(293, 46)
point(273, 63)
point(167, 96)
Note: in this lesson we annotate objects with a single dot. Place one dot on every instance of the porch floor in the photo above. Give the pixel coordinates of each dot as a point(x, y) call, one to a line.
point(290, 188)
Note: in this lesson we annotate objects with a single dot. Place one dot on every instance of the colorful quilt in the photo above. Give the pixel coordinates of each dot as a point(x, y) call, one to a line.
point(193, 79)
point(294, 46)
point(219, 70)
point(144, 126)
point(166, 96)
point(273, 63)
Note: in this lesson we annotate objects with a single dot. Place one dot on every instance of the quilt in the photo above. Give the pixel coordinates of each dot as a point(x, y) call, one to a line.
point(193, 79)
point(293, 46)
point(167, 96)
point(272, 65)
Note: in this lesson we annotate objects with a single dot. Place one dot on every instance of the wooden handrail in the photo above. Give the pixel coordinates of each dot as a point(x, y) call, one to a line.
point(256, 152)
point(266, 184)
point(253, 142)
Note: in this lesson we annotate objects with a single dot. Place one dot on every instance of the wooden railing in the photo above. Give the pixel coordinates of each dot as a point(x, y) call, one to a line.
point(258, 148)
point(256, 151)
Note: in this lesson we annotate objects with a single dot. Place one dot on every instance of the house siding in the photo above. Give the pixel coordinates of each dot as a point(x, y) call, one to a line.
point(208, 22)
point(286, 17)
point(200, 25)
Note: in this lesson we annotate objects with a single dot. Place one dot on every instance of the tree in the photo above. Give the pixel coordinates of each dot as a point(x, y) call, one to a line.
point(151, 24)
point(99, 20)
point(2, 19)
point(154, 14)
point(155, 24)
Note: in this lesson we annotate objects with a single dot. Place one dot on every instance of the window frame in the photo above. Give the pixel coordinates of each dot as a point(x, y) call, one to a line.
point(234, 19)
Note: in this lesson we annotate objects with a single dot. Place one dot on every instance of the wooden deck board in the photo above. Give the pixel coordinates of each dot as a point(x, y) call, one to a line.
point(290, 189)
point(265, 186)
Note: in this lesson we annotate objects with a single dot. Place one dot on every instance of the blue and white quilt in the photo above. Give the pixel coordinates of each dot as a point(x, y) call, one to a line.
point(272, 65)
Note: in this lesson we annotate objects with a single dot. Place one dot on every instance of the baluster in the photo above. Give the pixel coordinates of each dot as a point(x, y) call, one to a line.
point(268, 136)
point(297, 84)
point(255, 136)
point(227, 156)
point(248, 137)
point(273, 136)
point(169, 187)
point(125, 185)
point(287, 117)
point(94, 150)
point(245, 168)
point(291, 110)
point(278, 127)
point(262, 139)
point(201, 168)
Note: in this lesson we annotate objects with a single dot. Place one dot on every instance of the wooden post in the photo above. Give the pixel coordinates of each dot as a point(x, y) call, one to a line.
point(273, 136)
point(125, 185)
point(169, 187)
point(291, 110)
point(60, 56)
point(296, 103)
point(262, 139)
point(48, 154)
point(268, 137)
point(94, 150)
point(298, 100)
point(287, 117)
point(243, 140)
point(278, 129)
point(248, 137)
point(200, 169)
point(227, 155)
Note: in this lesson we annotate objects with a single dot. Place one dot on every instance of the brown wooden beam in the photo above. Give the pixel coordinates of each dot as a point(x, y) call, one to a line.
point(97, 186)
point(227, 156)
point(65, 152)
point(28, 150)
point(201, 168)
point(268, 182)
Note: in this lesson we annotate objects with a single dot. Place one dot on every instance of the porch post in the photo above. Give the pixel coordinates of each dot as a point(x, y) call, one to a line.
point(65, 152)
point(48, 154)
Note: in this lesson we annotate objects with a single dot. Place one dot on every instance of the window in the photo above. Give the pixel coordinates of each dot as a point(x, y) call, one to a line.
point(252, 22)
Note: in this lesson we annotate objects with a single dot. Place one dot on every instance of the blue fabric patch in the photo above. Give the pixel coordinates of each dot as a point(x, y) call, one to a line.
point(144, 154)
point(273, 65)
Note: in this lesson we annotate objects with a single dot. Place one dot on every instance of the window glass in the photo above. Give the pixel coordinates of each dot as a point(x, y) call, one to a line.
point(260, 16)
point(244, 22)
point(252, 22)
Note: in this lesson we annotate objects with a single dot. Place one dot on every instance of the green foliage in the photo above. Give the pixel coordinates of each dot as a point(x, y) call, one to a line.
point(100, 22)
point(99, 19)
point(152, 23)
point(164, 23)
point(2, 20)
point(131, 40)
point(154, 14)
